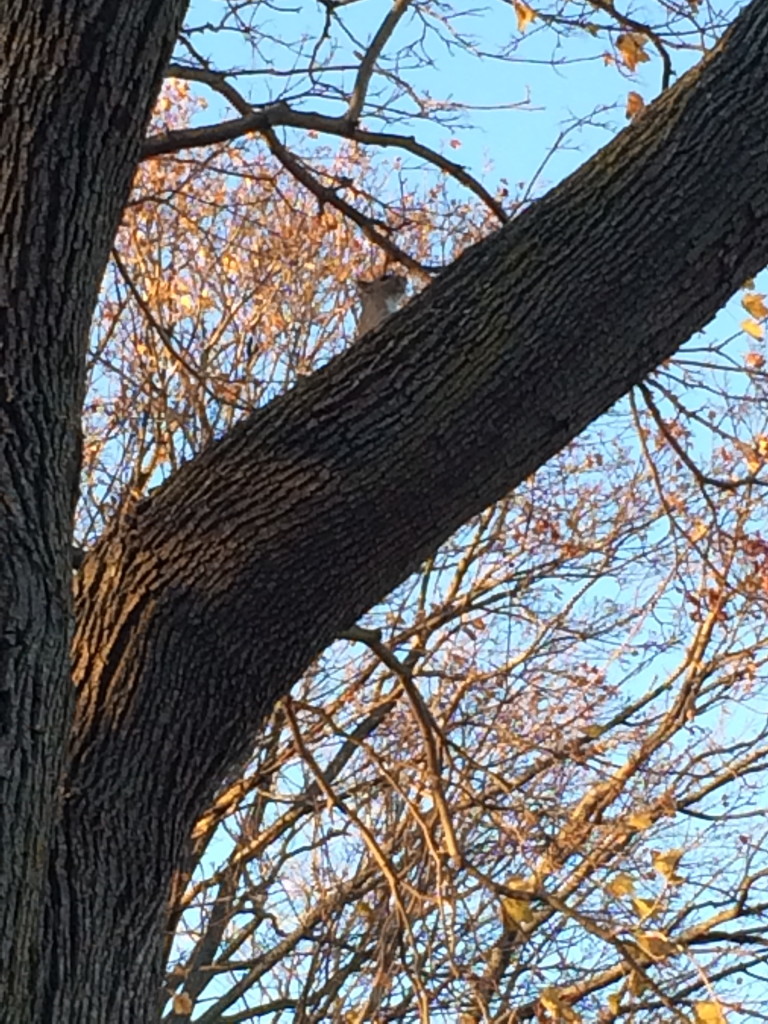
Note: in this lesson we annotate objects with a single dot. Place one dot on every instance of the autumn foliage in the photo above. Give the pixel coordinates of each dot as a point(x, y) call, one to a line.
point(527, 787)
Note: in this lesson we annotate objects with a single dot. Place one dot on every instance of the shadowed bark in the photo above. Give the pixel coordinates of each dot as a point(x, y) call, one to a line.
point(203, 603)
point(77, 84)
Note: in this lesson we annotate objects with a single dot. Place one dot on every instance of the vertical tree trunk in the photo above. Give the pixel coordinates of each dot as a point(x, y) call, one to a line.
point(77, 83)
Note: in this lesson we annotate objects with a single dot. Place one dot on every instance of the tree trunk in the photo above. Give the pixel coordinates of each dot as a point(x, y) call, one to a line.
point(78, 83)
point(205, 602)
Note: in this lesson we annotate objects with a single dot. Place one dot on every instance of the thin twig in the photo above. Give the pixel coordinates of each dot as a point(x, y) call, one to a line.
point(281, 115)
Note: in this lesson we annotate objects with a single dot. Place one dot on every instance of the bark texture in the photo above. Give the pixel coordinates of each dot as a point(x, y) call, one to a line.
point(77, 81)
point(204, 603)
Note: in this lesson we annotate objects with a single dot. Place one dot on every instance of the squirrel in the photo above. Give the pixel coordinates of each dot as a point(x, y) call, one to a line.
point(378, 299)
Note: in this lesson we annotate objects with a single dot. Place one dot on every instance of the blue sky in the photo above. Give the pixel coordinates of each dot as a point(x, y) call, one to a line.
point(514, 141)
point(555, 81)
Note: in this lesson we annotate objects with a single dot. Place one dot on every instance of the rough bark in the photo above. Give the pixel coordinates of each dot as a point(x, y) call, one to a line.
point(204, 603)
point(77, 82)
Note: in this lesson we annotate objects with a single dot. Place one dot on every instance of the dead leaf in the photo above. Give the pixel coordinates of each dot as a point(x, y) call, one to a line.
point(525, 14)
point(631, 47)
point(644, 908)
point(708, 1013)
point(753, 329)
point(754, 361)
point(182, 1003)
point(641, 820)
point(621, 884)
point(557, 1007)
point(655, 945)
point(666, 863)
point(755, 306)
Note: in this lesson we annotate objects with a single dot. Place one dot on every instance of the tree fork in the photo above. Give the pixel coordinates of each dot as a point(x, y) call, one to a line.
point(205, 602)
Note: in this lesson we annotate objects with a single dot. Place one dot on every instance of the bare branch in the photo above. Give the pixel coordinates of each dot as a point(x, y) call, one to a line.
point(368, 63)
point(280, 114)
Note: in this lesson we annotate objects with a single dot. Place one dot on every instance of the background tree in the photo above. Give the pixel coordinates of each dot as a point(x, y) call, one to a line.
point(202, 602)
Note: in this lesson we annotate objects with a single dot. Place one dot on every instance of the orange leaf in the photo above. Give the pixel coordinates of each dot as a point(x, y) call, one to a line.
point(631, 47)
point(754, 305)
point(525, 14)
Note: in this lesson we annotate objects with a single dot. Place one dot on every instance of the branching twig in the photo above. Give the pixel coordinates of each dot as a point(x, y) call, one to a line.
point(638, 26)
point(324, 195)
point(427, 726)
point(281, 115)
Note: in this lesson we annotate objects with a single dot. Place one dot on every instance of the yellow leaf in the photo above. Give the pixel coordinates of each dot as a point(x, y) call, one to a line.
point(666, 863)
point(614, 1003)
point(555, 1005)
point(700, 529)
point(516, 911)
point(525, 14)
point(641, 820)
point(655, 945)
point(754, 305)
point(621, 884)
point(630, 46)
point(752, 328)
point(644, 908)
point(708, 1013)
